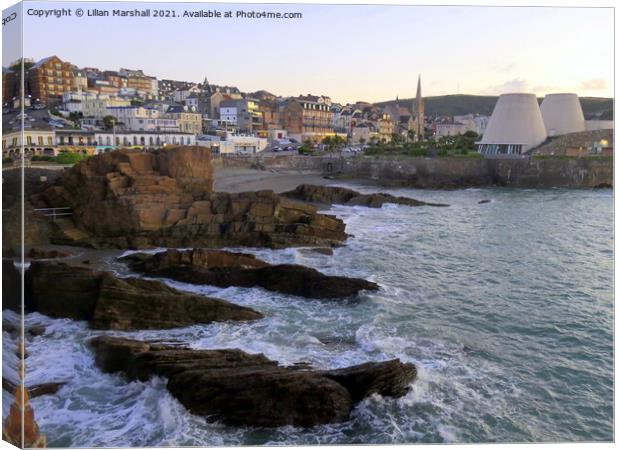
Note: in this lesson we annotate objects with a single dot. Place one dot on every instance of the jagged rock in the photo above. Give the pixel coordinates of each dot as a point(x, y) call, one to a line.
point(11, 286)
point(59, 290)
point(482, 202)
point(107, 302)
point(129, 199)
point(343, 196)
point(223, 269)
point(238, 388)
point(324, 250)
point(388, 378)
point(38, 253)
point(37, 229)
point(36, 390)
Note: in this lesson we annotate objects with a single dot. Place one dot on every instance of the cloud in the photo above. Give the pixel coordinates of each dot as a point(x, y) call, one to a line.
point(594, 84)
point(514, 85)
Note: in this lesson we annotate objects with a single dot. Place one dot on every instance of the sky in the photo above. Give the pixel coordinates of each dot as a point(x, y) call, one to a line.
point(349, 53)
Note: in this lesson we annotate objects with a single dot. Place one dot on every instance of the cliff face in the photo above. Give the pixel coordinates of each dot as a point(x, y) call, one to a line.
point(133, 199)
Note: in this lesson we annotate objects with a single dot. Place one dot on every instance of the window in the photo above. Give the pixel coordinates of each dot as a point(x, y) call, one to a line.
point(40, 140)
point(14, 142)
point(49, 140)
point(29, 140)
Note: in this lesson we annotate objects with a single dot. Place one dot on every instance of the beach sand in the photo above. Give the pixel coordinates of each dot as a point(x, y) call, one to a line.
point(233, 179)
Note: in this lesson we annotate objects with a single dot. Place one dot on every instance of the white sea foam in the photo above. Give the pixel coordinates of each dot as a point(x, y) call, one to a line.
point(470, 309)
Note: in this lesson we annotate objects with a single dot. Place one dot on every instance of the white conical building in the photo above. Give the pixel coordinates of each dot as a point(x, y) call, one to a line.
point(562, 114)
point(515, 126)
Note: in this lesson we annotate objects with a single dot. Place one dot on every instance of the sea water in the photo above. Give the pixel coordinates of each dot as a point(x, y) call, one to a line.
point(506, 309)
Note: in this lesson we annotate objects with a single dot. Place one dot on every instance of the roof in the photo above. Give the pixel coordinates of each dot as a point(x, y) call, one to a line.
point(40, 62)
point(228, 103)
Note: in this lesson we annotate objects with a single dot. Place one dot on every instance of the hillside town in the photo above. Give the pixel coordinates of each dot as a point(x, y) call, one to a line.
point(86, 111)
point(89, 110)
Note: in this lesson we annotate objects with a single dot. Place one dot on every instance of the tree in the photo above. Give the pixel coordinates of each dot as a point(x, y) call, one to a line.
point(471, 134)
point(75, 116)
point(108, 122)
point(397, 139)
point(411, 135)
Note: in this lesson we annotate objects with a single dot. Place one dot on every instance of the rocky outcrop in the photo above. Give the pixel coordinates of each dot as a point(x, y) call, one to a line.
point(238, 388)
point(344, 196)
point(132, 199)
point(34, 390)
point(11, 286)
point(107, 302)
point(223, 269)
point(41, 253)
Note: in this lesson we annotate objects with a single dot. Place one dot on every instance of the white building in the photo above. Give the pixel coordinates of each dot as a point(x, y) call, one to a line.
point(140, 118)
point(360, 134)
point(515, 126)
point(455, 127)
point(180, 95)
point(107, 140)
point(91, 104)
point(234, 144)
point(562, 114)
point(229, 112)
point(593, 125)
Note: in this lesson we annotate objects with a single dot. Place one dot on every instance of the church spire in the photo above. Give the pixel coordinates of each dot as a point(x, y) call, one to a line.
point(419, 109)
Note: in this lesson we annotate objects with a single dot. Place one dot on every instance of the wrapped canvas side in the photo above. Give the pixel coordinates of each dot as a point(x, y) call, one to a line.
point(18, 423)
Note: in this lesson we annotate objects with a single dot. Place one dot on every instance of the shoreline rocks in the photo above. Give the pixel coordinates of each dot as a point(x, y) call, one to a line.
point(41, 253)
point(108, 302)
point(343, 196)
point(36, 390)
point(238, 388)
point(224, 269)
point(133, 199)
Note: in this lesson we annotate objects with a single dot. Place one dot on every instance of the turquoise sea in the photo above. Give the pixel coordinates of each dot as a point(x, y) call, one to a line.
point(505, 307)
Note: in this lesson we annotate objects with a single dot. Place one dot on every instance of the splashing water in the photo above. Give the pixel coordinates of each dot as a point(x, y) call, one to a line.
point(506, 308)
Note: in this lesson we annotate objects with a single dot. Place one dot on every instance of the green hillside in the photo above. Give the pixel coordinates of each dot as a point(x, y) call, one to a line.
point(455, 105)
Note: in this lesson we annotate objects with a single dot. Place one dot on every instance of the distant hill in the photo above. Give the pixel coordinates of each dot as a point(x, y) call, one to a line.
point(456, 105)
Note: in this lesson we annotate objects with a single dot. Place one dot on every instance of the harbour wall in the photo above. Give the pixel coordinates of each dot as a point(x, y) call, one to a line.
point(445, 173)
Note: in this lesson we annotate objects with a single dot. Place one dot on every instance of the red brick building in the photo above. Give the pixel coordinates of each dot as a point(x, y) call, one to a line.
point(48, 79)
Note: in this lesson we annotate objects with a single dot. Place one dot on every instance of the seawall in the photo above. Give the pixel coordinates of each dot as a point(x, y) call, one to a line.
point(446, 173)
